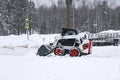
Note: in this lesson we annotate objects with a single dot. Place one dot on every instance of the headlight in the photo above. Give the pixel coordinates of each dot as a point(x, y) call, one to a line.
point(85, 46)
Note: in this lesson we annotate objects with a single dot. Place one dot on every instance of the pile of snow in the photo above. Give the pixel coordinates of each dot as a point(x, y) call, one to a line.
point(20, 45)
point(111, 31)
point(35, 40)
point(109, 34)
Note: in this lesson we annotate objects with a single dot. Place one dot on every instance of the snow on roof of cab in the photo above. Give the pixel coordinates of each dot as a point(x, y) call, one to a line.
point(111, 31)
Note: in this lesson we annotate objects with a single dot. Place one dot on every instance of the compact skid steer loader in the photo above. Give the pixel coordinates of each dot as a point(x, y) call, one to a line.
point(70, 42)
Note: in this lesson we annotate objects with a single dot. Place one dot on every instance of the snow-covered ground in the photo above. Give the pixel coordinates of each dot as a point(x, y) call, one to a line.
point(18, 61)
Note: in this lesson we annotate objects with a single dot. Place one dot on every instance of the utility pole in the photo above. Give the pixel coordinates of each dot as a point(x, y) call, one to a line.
point(30, 18)
point(73, 12)
point(27, 20)
point(88, 19)
point(68, 5)
point(27, 26)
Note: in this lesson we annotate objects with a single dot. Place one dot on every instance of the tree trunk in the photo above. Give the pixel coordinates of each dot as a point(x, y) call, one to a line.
point(68, 5)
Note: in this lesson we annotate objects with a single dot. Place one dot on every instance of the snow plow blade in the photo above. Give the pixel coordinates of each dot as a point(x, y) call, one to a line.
point(44, 50)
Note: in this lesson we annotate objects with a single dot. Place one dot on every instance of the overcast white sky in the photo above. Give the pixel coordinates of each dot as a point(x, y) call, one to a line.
point(43, 2)
point(49, 2)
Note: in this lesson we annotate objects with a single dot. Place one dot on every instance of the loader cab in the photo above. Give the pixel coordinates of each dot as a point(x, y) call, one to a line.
point(66, 31)
point(69, 42)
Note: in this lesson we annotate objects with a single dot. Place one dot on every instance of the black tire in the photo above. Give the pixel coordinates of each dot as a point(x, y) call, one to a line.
point(63, 51)
point(79, 53)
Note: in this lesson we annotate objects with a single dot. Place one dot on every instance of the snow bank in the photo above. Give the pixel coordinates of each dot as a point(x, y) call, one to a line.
point(35, 40)
point(111, 31)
